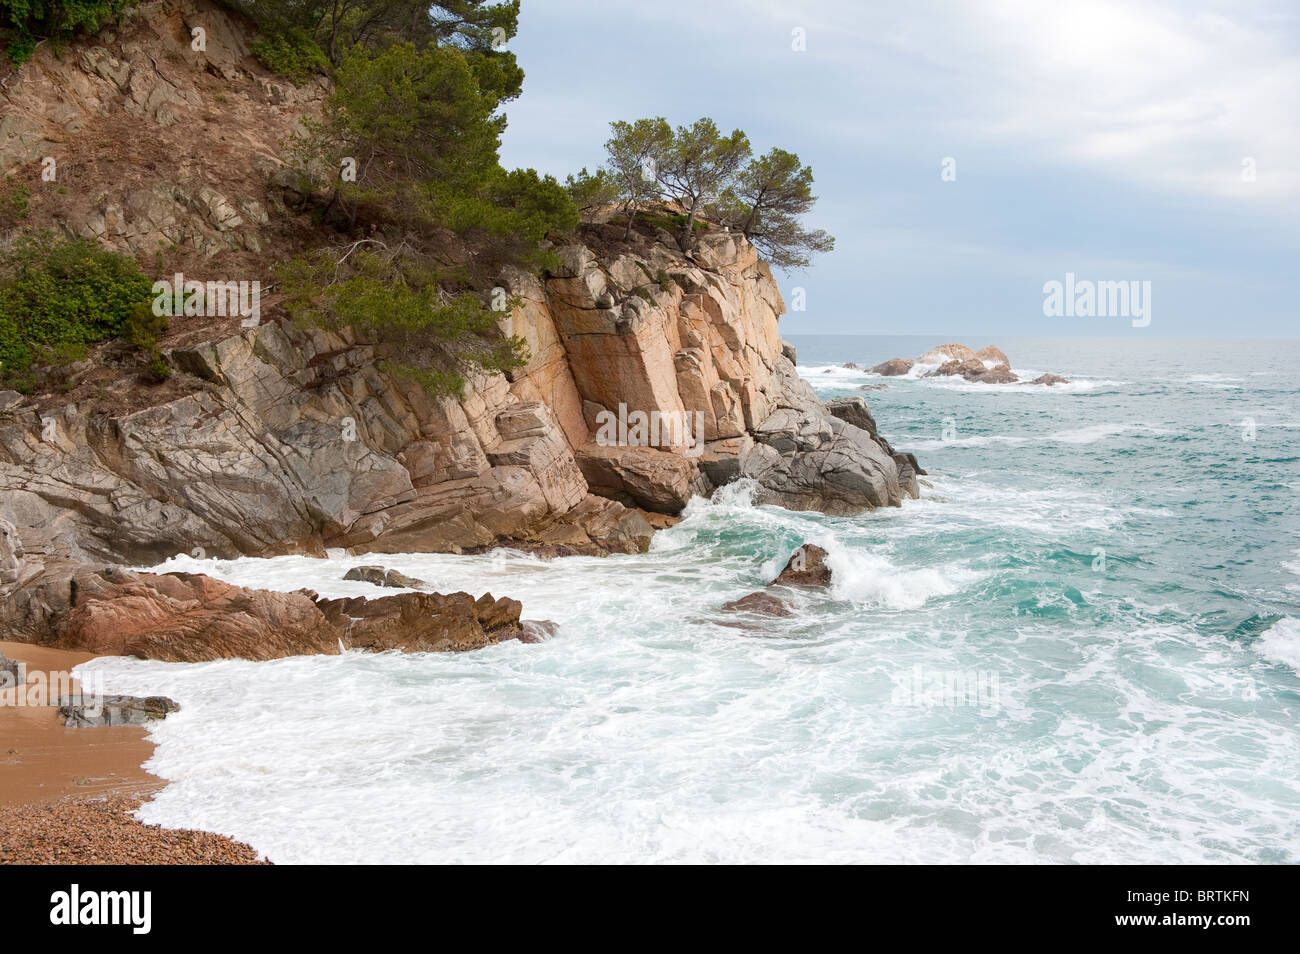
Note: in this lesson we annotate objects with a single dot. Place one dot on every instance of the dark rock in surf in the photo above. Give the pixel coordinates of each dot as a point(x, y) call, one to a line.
point(807, 567)
point(759, 603)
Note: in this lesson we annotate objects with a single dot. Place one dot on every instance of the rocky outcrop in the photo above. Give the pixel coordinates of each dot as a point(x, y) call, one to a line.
point(82, 711)
point(760, 604)
point(297, 440)
point(854, 411)
point(185, 617)
point(380, 576)
point(893, 368)
point(989, 365)
point(277, 439)
point(806, 567)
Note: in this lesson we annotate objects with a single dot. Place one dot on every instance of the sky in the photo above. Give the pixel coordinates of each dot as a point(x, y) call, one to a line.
point(1116, 141)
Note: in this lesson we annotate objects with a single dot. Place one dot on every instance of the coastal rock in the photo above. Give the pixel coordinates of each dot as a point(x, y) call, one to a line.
point(641, 476)
point(421, 622)
point(806, 567)
point(537, 630)
point(994, 356)
point(82, 711)
point(893, 368)
point(998, 375)
point(382, 577)
point(1048, 380)
point(186, 617)
point(759, 603)
point(965, 367)
point(947, 352)
point(11, 553)
point(12, 672)
point(854, 411)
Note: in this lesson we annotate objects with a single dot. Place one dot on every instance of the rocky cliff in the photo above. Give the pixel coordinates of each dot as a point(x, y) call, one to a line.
point(653, 375)
point(296, 441)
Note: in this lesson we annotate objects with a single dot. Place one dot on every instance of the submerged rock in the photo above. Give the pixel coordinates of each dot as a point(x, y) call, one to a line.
point(760, 603)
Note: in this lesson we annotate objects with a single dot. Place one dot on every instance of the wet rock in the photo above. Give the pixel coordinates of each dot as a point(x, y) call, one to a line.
point(994, 355)
point(971, 366)
point(893, 368)
point(382, 577)
point(806, 567)
point(998, 375)
point(759, 603)
point(947, 352)
point(537, 630)
point(87, 711)
point(1048, 380)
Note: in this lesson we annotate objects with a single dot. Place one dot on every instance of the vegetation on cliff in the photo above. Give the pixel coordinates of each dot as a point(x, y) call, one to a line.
point(57, 297)
point(24, 23)
point(708, 174)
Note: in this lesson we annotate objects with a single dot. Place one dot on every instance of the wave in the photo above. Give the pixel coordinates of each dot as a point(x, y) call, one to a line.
point(1281, 642)
point(1100, 432)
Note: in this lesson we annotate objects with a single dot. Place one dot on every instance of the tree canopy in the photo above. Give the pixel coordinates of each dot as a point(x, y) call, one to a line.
point(708, 174)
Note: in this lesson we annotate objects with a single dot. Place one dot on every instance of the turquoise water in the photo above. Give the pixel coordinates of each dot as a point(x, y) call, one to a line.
point(1081, 645)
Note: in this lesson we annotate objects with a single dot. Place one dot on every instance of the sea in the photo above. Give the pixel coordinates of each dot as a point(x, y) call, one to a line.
point(1080, 646)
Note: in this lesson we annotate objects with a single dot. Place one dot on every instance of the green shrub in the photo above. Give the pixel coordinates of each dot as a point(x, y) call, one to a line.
point(292, 53)
point(26, 21)
point(13, 203)
point(395, 302)
point(57, 297)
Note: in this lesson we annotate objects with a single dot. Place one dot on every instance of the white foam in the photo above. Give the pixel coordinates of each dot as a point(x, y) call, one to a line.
point(1281, 642)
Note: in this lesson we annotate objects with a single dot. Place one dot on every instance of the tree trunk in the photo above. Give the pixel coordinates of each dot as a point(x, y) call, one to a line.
point(687, 239)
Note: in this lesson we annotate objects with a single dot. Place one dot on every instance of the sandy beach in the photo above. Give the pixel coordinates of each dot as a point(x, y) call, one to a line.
point(66, 795)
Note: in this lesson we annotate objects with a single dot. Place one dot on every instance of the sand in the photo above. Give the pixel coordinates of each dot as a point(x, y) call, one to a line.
point(66, 795)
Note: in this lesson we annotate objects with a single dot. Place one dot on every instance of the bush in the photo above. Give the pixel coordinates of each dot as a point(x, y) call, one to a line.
point(13, 203)
point(57, 297)
point(292, 53)
point(25, 21)
point(393, 300)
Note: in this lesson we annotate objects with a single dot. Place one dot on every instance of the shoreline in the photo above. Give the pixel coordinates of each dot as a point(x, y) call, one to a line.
point(67, 795)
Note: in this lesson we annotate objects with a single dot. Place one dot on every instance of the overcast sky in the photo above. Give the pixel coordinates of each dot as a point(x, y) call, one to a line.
point(1148, 141)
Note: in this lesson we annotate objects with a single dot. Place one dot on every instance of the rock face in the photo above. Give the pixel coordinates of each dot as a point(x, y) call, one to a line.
point(141, 84)
point(296, 441)
point(185, 617)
